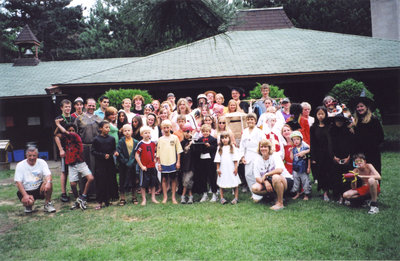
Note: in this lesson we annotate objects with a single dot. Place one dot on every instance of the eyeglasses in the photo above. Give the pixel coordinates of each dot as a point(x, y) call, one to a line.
point(221, 122)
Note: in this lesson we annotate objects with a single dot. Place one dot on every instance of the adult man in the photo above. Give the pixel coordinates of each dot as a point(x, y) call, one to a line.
point(88, 128)
point(104, 102)
point(33, 180)
point(78, 105)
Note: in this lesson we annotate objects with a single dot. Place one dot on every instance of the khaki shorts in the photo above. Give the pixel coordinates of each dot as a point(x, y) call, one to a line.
point(75, 169)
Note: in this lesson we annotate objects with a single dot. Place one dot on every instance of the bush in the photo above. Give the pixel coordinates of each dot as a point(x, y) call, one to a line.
point(116, 96)
point(274, 92)
point(343, 92)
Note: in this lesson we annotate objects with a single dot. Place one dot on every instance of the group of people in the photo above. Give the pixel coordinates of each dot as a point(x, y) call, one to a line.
point(170, 146)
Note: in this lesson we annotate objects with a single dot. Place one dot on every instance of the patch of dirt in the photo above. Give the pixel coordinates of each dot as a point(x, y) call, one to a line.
point(4, 228)
point(6, 182)
point(7, 203)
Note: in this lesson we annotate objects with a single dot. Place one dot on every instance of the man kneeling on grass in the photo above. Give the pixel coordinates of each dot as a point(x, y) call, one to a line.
point(370, 185)
point(33, 180)
point(271, 174)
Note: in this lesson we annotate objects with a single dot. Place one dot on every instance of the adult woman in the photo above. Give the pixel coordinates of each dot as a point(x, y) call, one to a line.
point(210, 98)
point(184, 109)
point(271, 175)
point(306, 113)
point(232, 107)
point(156, 104)
point(368, 132)
point(111, 116)
point(126, 106)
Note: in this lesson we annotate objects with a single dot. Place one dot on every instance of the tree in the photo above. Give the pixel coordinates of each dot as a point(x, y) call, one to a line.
point(54, 24)
point(116, 96)
point(341, 16)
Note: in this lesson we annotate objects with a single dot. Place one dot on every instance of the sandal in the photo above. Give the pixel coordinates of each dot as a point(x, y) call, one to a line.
point(135, 201)
point(122, 202)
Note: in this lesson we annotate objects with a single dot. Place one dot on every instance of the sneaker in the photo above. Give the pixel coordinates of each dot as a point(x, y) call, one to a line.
point(183, 200)
point(190, 201)
point(373, 210)
point(214, 198)
point(49, 207)
point(223, 201)
point(75, 205)
point(204, 198)
point(28, 210)
point(82, 203)
point(64, 198)
point(234, 201)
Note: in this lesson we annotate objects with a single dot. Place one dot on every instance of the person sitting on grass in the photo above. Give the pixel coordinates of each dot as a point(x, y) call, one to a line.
point(145, 157)
point(370, 177)
point(271, 174)
point(168, 159)
point(76, 163)
point(33, 180)
point(127, 165)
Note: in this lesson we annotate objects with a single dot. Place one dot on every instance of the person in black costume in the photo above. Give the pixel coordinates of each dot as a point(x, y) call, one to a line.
point(368, 132)
point(321, 152)
point(342, 141)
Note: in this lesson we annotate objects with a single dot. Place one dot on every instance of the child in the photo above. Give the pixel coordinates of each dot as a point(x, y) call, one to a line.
point(168, 158)
point(370, 187)
point(249, 141)
point(103, 149)
point(76, 163)
point(66, 118)
point(187, 164)
point(321, 158)
point(138, 100)
point(127, 165)
point(181, 120)
point(137, 123)
point(152, 122)
point(126, 105)
point(301, 166)
point(145, 157)
point(227, 158)
point(273, 133)
point(205, 167)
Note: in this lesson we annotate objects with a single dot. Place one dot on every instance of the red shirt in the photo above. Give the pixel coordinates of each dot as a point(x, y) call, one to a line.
point(73, 148)
point(147, 153)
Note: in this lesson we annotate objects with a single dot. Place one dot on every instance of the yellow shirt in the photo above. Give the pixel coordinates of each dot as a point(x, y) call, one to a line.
point(167, 149)
point(129, 145)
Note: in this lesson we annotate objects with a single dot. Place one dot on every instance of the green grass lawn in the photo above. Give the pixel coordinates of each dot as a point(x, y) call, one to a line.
point(303, 230)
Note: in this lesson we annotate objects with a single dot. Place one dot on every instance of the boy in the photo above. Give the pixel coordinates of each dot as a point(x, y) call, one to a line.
point(76, 164)
point(370, 177)
point(168, 158)
point(301, 165)
point(66, 118)
point(127, 165)
point(181, 120)
point(205, 169)
point(187, 164)
point(145, 157)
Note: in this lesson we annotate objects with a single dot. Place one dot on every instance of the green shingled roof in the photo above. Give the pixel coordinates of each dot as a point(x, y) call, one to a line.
point(239, 53)
point(262, 52)
point(32, 80)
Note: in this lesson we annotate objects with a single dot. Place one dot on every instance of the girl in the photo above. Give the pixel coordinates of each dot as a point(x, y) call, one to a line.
point(273, 133)
point(164, 115)
point(227, 158)
point(137, 123)
point(222, 126)
point(232, 106)
point(122, 120)
point(321, 154)
point(208, 119)
point(183, 109)
point(156, 105)
point(287, 144)
point(103, 149)
point(155, 129)
point(126, 106)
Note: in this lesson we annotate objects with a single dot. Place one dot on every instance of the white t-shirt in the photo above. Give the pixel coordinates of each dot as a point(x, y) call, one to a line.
point(31, 176)
point(261, 166)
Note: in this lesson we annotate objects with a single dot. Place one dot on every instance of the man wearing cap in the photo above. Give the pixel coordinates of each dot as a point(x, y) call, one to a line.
point(78, 105)
point(171, 99)
point(285, 111)
point(104, 102)
point(33, 180)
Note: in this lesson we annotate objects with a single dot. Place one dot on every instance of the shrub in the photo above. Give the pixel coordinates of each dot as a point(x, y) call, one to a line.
point(116, 96)
point(274, 92)
point(343, 92)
